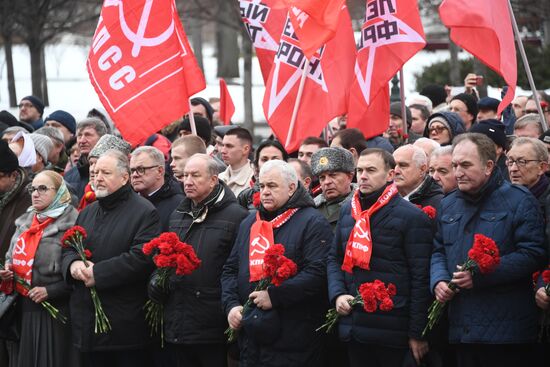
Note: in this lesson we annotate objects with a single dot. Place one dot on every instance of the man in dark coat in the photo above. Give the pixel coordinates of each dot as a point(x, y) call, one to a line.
point(207, 219)
point(149, 179)
point(118, 224)
point(493, 318)
point(412, 179)
point(14, 201)
point(396, 249)
point(279, 329)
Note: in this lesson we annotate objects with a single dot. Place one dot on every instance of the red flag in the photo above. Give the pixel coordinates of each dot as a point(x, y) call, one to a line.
point(484, 29)
point(391, 34)
point(326, 89)
point(264, 21)
point(142, 67)
point(227, 108)
point(314, 22)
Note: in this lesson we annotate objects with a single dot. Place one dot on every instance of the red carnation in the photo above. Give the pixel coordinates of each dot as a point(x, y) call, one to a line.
point(546, 276)
point(392, 291)
point(484, 253)
point(88, 254)
point(75, 233)
point(256, 200)
point(369, 305)
point(386, 304)
point(286, 270)
point(430, 211)
point(166, 248)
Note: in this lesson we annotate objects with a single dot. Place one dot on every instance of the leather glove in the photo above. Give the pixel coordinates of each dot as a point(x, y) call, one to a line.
point(155, 292)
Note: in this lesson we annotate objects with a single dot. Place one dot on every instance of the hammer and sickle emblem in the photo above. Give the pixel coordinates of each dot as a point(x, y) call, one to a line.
point(20, 248)
point(138, 38)
point(363, 234)
point(260, 242)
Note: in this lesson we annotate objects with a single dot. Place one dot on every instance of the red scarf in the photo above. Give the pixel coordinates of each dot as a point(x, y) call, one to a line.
point(88, 197)
point(359, 246)
point(24, 251)
point(261, 238)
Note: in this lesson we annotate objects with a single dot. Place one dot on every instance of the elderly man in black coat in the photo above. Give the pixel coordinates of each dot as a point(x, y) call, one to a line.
point(207, 219)
point(380, 236)
point(280, 328)
point(118, 224)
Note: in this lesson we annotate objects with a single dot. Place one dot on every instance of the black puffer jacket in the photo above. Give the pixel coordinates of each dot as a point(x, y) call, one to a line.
point(193, 313)
point(300, 301)
point(401, 249)
point(117, 226)
point(166, 200)
point(428, 194)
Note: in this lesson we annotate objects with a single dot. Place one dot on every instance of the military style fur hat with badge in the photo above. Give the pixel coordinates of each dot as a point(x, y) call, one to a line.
point(332, 159)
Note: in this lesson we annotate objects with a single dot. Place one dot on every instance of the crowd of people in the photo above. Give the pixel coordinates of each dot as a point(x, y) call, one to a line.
point(402, 208)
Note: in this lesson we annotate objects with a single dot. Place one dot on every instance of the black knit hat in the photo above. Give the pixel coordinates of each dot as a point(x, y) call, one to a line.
point(36, 102)
point(8, 159)
point(470, 102)
point(436, 94)
point(494, 129)
point(201, 101)
point(395, 109)
point(204, 131)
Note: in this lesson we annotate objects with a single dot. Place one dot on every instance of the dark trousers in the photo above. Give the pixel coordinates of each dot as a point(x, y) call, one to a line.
point(494, 355)
point(368, 355)
point(122, 358)
point(201, 355)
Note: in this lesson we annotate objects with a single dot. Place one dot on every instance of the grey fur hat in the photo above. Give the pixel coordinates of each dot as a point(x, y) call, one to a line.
point(332, 159)
point(108, 142)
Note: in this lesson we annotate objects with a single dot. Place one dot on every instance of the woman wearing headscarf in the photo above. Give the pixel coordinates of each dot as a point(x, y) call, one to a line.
point(34, 257)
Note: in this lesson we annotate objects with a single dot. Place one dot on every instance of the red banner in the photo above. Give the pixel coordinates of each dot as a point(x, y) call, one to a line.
point(484, 29)
point(314, 22)
point(227, 107)
point(326, 88)
point(391, 34)
point(142, 67)
point(264, 21)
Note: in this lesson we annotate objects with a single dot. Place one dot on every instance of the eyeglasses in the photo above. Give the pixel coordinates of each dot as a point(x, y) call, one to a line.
point(25, 105)
point(532, 111)
point(141, 170)
point(42, 189)
point(520, 162)
point(437, 129)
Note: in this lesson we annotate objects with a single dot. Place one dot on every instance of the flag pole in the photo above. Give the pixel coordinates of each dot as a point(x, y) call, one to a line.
point(527, 67)
point(297, 102)
point(403, 106)
point(192, 119)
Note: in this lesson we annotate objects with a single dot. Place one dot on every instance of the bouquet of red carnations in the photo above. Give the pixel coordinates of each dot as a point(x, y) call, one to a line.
point(483, 256)
point(169, 255)
point(74, 237)
point(276, 269)
point(371, 296)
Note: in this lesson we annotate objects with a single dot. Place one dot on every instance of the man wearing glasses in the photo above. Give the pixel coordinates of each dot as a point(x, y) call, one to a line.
point(148, 178)
point(31, 109)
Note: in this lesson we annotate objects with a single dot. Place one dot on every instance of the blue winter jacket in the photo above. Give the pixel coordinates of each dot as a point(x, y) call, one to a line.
point(500, 308)
point(402, 245)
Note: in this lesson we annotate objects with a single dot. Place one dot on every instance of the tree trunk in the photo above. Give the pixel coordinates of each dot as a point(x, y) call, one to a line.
point(35, 51)
point(247, 85)
point(9, 66)
point(454, 64)
point(227, 45)
point(196, 39)
point(44, 81)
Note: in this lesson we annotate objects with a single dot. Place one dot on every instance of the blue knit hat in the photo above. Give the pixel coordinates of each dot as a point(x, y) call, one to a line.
point(64, 118)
